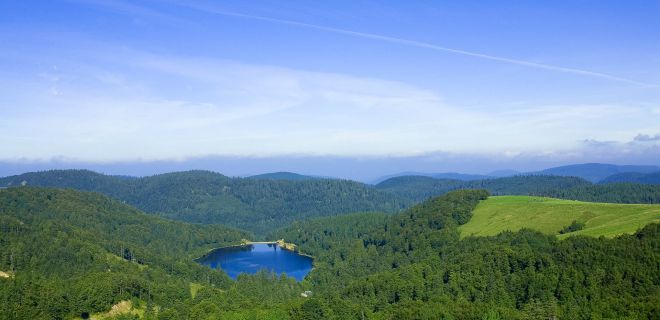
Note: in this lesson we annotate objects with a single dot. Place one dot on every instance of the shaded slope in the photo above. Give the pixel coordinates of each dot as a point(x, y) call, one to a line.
point(595, 172)
point(634, 177)
point(76, 252)
point(418, 188)
point(208, 197)
point(610, 192)
point(440, 175)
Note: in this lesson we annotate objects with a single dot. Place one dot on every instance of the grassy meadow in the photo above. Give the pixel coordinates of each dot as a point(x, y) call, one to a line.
point(547, 215)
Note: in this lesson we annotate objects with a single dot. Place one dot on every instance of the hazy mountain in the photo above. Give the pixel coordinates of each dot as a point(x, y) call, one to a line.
point(441, 175)
point(635, 177)
point(503, 173)
point(595, 172)
point(459, 176)
point(418, 188)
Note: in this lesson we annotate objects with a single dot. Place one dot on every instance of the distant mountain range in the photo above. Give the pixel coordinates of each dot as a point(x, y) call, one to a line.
point(419, 188)
point(594, 172)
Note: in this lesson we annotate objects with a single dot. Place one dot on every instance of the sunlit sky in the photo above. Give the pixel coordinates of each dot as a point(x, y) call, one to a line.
point(117, 81)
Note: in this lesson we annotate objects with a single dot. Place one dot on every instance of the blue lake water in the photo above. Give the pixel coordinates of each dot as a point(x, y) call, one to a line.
point(254, 257)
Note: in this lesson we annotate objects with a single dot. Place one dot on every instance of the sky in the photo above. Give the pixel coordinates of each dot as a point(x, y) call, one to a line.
point(328, 88)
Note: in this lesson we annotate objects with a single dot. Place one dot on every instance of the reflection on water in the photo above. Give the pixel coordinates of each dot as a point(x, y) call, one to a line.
point(254, 257)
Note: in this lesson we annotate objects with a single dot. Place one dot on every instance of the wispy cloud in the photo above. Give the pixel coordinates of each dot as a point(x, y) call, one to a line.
point(420, 44)
point(134, 100)
point(647, 138)
point(108, 102)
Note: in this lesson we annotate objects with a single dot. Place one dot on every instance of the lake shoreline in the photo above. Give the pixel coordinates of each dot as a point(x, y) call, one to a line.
point(280, 243)
point(251, 256)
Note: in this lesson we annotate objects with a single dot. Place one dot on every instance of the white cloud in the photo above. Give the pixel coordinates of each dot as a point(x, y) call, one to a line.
point(126, 104)
point(647, 138)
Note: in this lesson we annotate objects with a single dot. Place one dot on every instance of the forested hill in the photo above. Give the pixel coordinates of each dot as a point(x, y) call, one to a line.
point(413, 265)
point(282, 176)
point(417, 188)
point(67, 254)
point(206, 197)
point(596, 172)
point(634, 177)
point(70, 252)
point(105, 220)
point(441, 175)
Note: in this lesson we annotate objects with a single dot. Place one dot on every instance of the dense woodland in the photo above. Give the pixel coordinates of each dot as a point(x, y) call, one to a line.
point(264, 203)
point(253, 204)
point(412, 265)
point(634, 177)
point(597, 172)
point(72, 253)
point(418, 188)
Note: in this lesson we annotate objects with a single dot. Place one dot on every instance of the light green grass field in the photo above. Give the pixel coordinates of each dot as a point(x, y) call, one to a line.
point(497, 214)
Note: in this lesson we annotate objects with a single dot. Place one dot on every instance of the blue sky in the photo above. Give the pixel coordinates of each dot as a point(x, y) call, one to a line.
point(501, 83)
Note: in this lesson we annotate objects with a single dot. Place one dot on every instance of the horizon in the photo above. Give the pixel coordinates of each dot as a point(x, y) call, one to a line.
point(352, 90)
point(233, 170)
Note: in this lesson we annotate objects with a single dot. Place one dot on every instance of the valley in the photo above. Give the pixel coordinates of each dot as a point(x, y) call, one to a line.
point(329, 160)
point(465, 252)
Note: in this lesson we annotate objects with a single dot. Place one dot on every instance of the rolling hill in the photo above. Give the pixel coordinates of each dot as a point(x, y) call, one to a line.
point(418, 188)
point(441, 175)
point(413, 265)
point(207, 197)
point(66, 254)
point(512, 213)
point(73, 253)
point(595, 172)
point(290, 176)
point(609, 192)
point(634, 177)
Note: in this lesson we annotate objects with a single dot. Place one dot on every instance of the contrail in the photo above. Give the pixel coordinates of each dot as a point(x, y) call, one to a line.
point(427, 45)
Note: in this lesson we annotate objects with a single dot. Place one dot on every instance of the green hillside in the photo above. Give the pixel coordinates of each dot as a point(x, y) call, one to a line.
point(67, 254)
point(419, 188)
point(257, 205)
point(71, 253)
point(412, 265)
point(550, 216)
point(634, 177)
